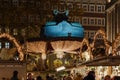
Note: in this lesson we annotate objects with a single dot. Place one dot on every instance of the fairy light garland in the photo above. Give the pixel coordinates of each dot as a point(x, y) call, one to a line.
point(6, 35)
point(85, 41)
point(116, 44)
point(104, 38)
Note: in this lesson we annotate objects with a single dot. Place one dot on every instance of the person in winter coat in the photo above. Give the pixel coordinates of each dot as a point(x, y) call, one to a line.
point(90, 76)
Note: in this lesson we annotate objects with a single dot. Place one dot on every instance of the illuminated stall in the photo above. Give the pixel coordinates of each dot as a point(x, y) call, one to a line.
point(60, 48)
point(65, 47)
point(105, 58)
point(11, 59)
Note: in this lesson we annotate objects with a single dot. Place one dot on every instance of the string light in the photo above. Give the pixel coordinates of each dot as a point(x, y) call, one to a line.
point(43, 56)
point(104, 38)
point(6, 35)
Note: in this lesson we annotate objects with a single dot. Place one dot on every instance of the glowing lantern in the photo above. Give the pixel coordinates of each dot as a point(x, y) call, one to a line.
point(43, 56)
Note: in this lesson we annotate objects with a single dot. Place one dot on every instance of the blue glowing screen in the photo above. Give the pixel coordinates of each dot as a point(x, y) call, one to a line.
point(63, 29)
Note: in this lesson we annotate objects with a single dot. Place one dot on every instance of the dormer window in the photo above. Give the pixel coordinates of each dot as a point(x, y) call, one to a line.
point(7, 45)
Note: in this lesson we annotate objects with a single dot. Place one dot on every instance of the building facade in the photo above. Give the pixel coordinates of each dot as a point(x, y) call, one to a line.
point(113, 19)
point(24, 19)
point(90, 13)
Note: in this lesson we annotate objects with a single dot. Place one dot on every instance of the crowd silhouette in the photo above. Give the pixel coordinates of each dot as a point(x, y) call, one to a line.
point(90, 76)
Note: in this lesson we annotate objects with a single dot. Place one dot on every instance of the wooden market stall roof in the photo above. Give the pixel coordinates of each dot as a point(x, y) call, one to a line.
point(103, 61)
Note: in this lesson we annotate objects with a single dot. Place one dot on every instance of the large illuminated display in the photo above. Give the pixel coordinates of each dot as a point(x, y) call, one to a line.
point(62, 28)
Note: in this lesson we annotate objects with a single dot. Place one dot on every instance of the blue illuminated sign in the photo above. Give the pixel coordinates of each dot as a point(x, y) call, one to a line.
point(63, 29)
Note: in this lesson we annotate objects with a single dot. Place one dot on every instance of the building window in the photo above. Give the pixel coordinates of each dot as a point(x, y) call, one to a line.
point(99, 22)
point(99, 8)
point(92, 8)
point(85, 7)
point(85, 21)
point(15, 32)
point(70, 6)
point(92, 21)
point(71, 18)
point(99, 37)
point(77, 19)
point(92, 34)
point(7, 45)
point(0, 45)
point(62, 7)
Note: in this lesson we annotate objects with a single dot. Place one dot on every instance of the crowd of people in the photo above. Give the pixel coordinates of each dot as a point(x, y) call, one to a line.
point(108, 77)
point(90, 76)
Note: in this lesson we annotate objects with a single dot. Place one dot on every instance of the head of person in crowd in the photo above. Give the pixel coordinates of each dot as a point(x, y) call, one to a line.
point(91, 73)
point(116, 78)
point(107, 77)
point(39, 78)
point(15, 75)
point(29, 77)
point(90, 76)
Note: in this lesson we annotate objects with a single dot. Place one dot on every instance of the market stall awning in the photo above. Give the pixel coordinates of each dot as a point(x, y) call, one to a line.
point(103, 61)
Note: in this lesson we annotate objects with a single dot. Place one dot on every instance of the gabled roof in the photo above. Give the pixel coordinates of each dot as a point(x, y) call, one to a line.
point(111, 3)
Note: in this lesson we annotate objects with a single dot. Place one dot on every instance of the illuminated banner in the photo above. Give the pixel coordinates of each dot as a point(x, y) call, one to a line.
point(63, 29)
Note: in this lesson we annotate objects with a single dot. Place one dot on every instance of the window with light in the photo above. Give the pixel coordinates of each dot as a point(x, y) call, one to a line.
point(7, 45)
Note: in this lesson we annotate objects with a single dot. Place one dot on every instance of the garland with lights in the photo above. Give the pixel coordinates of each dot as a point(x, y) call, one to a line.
point(19, 49)
point(85, 41)
point(116, 44)
point(104, 38)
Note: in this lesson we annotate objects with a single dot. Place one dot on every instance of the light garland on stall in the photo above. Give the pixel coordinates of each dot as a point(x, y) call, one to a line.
point(38, 47)
point(85, 41)
point(43, 56)
point(64, 46)
point(6, 35)
point(116, 44)
point(104, 38)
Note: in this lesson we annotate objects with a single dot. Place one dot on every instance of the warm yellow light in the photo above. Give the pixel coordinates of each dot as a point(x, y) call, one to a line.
point(108, 1)
point(43, 56)
point(60, 68)
point(86, 56)
point(5, 35)
point(59, 54)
